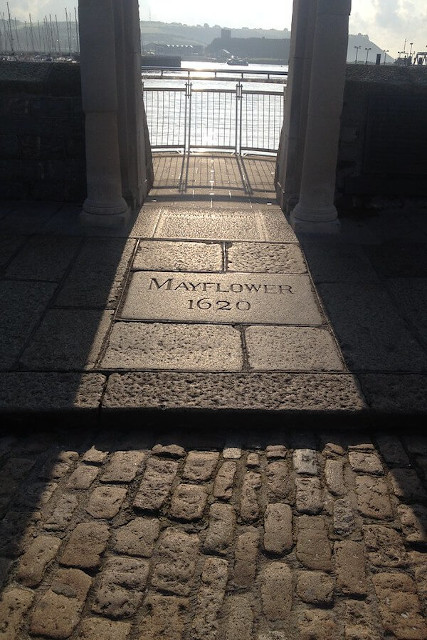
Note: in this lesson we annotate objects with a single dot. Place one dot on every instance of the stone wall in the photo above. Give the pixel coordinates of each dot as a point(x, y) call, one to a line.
point(42, 153)
point(383, 133)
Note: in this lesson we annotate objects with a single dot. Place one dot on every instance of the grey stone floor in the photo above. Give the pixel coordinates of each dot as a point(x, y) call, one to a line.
point(208, 300)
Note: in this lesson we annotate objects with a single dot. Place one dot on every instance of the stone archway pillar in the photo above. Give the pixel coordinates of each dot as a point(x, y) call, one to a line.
point(292, 139)
point(104, 204)
point(315, 211)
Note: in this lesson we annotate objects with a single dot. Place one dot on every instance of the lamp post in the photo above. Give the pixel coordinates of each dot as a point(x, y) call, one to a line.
point(357, 52)
point(385, 54)
point(367, 49)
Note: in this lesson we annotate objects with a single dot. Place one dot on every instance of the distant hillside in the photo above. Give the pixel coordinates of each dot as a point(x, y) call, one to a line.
point(176, 33)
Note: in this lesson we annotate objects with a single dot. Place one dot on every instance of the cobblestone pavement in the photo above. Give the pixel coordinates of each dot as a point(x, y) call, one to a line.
point(117, 535)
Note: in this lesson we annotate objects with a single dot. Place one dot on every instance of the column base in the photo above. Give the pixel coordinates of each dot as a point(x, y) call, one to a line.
point(315, 220)
point(102, 215)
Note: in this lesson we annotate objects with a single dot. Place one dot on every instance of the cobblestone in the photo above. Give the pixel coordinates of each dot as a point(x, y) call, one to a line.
point(221, 551)
point(334, 475)
point(238, 618)
point(305, 461)
point(82, 477)
point(407, 485)
point(188, 502)
point(249, 507)
point(222, 521)
point(278, 528)
point(85, 546)
point(165, 618)
point(309, 495)
point(121, 588)
point(138, 537)
point(105, 502)
point(35, 560)
point(276, 591)
point(223, 486)
point(156, 484)
point(57, 613)
point(14, 604)
point(349, 559)
point(384, 545)
point(315, 587)
point(102, 629)
point(176, 562)
point(399, 606)
point(313, 548)
point(414, 522)
point(373, 498)
point(279, 488)
point(209, 600)
point(200, 465)
point(123, 466)
point(246, 558)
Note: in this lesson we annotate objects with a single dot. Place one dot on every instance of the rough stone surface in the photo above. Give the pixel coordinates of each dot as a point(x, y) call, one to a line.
point(219, 536)
point(82, 477)
point(223, 487)
point(105, 501)
point(96, 628)
point(123, 466)
point(313, 547)
point(194, 347)
point(245, 558)
point(210, 598)
point(14, 603)
point(121, 588)
point(278, 392)
point(365, 462)
point(200, 465)
point(316, 624)
point(178, 256)
point(176, 562)
point(292, 349)
point(407, 485)
point(399, 606)
point(85, 546)
point(35, 560)
point(373, 499)
point(165, 618)
point(315, 587)
point(384, 545)
point(334, 475)
point(414, 522)
point(278, 528)
point(276, 591)
point(57, 613)
point(249, 507)
point(305, 461)
point(188, 502)
point(344, 517)
point(62, 513)
point(349, 560)
point(238, 618)
point(309, 495)
point(156, 484)
point(279, 486)
point(137, 538)
point(265, 258)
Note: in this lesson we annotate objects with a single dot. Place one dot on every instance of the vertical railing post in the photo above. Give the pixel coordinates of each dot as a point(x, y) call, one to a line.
point(238, 122)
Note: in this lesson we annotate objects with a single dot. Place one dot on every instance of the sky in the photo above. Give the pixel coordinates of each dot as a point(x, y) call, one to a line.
point(387, 22)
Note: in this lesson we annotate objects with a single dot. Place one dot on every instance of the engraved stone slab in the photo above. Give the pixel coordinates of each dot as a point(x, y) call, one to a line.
point(246, 298)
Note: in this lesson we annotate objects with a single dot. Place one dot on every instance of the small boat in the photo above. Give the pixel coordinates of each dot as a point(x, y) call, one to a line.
point(237, 61)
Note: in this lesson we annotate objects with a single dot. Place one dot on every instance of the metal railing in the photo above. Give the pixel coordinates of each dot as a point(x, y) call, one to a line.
point(237, 120)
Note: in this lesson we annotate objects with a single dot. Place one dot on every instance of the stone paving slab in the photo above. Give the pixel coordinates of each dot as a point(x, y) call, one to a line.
point(292, 349)
point(303, 393)
point(179, 256)
point(203, 563)
point(243, 298)
point(266, 257)
point(43, 258)
point(191, 347)
point(9, 245)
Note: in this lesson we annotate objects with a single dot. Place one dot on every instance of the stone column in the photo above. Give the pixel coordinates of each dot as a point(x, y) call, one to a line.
point(104, 204)
point(292, 139)
point(136, 164)
point(315, 211)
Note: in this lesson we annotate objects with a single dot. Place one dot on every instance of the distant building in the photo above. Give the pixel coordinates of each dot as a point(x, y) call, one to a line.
point(264, 49)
